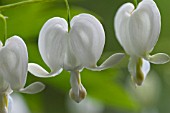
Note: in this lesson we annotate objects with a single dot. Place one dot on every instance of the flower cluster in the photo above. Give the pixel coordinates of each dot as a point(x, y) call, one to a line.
point(79, 47)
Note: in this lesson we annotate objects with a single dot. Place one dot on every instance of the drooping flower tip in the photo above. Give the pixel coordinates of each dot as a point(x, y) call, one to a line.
point(139, 79)
point(78, 98)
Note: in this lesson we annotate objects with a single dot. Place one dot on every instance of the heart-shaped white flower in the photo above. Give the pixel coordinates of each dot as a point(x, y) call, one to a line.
point(138, 30)
point(13, 72)
point(73, 50)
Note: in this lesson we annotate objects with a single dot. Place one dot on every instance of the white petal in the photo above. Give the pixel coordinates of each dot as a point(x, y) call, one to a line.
point(3, 84)
point(87, 38)
point(19, 104)
point(144, 27)
point(38, 71)
point(33, 88)
point(52, 42)
point(1, 44)
point(145, 67)
point(74, 81)
point(110, 62)
point(10, 103)
point(132, 66)
point(71, 62)
point(77, 92)
point(138, 69)
point(121, 24)
point(159, 58)
point(14, 62)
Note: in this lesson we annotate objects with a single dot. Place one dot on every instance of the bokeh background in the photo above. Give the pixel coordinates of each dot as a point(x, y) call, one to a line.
point(109, 91)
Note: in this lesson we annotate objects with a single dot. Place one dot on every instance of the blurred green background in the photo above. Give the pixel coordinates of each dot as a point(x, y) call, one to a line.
point(109, 91)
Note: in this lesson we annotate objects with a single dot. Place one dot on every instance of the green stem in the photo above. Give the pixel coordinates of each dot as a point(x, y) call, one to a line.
point(136, 3)
point(4, 7)
point(5, 26)
point(68, 14)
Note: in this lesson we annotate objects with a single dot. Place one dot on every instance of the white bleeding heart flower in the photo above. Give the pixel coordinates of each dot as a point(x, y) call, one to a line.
point(13, 72)
point(73, 50)
point(138, 30)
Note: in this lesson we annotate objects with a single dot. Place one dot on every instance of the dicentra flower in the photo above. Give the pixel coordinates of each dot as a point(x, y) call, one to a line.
point(13, 72)
point(138, 30)
point(73, 50)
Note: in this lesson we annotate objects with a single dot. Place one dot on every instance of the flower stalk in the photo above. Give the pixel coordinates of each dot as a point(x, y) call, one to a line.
point(135, 3)
point(68, 13)
point(5, 26)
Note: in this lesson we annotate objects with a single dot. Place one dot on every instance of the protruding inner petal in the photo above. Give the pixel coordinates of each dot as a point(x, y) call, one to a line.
point(139, 69)
point(38, 71)
point(159, 58)
point(53, 42)
point(4, 103)
point(14, 62)
point(33, 88)
point(87, 38)
point(110, 62)
point(77, 91)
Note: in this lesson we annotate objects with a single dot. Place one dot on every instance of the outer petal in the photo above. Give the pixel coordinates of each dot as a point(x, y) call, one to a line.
point(33, 88)
point(159, 58)
point(110, 62)
point(14, 62)
point(144, 27)
point(71, 62)
point(138, 69)
point(87, 38)
point(38, 71)
point(1, 44)
point(4, 86)
point(121, 25)
point(52, 43)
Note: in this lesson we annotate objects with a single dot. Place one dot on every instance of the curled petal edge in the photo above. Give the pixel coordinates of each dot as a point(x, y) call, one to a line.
point(109, 62)
point(38, 71)
point(159, 58)
point(33, 88)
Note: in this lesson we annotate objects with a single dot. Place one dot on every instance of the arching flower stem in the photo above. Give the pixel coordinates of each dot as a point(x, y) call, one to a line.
point(4, 7)
point(135, 3)
point(5, 26)
point(68, 14)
